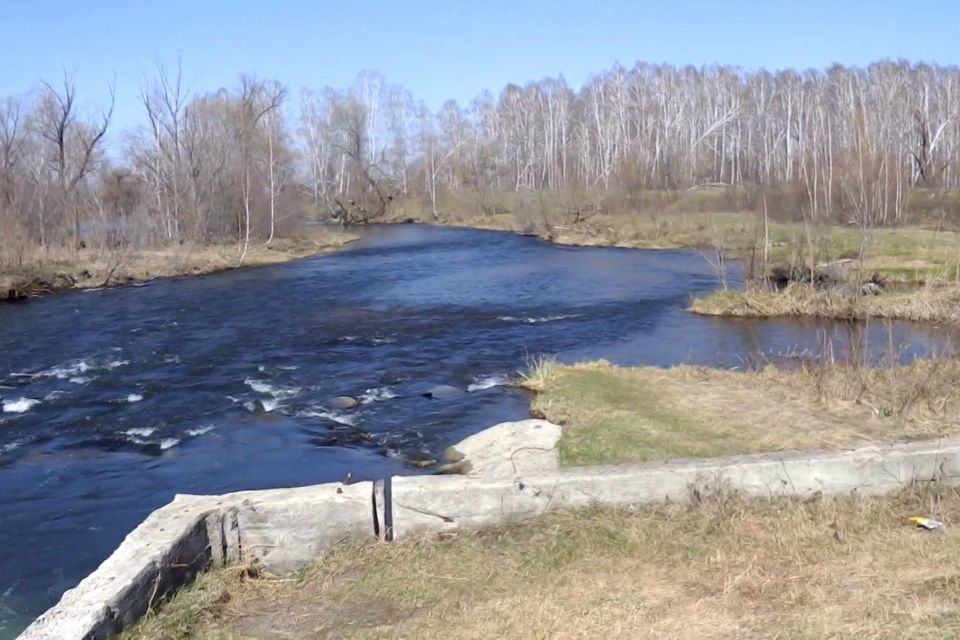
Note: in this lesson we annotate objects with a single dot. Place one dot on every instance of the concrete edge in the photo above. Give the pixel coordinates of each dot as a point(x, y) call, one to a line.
point(279, 529)
point(425, 504)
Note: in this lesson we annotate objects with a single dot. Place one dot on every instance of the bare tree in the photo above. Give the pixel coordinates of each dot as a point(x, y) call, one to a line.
point(256, 99)
point(71, 145)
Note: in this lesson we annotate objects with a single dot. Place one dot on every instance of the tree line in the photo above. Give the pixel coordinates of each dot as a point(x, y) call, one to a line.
point(845, 144)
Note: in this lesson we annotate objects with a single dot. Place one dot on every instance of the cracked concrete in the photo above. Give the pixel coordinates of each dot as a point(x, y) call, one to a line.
point(423, 504)
point(280, 530)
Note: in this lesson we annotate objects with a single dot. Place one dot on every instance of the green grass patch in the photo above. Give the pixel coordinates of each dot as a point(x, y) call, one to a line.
point(619, 420)
point(614, 415)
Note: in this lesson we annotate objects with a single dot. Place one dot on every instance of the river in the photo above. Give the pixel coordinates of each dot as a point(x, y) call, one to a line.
point(115, 400)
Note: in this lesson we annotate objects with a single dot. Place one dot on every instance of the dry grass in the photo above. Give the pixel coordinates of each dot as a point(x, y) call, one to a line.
point(90, 268)
point(616, 415)
point(697, 219)
point(930, 303)
point(718, 568)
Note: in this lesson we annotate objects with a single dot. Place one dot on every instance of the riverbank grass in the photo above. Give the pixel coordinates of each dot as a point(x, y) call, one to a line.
point(718, 568)
point(710, 218)
point(91, 268)
point(614, 415)
point(927, 303)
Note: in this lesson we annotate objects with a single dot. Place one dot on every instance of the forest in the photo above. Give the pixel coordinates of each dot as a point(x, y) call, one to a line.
point(875, 145)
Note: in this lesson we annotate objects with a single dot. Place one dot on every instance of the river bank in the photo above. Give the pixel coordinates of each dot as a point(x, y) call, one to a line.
point(926, 303)
point(614, 415)
point(913, 270)
point(92, 269)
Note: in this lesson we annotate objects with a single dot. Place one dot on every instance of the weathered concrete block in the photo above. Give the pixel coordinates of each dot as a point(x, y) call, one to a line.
point(507, 450)
point(284, 529)
point(165, 551)
point(279, 529)
point(441, 503)
point(423, 504)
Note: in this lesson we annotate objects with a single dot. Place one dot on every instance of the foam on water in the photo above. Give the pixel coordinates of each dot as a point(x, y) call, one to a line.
point(62, 372)
point(277, 391)
point(376, 395)
point(53, 395)
point(168, 443)
point(536, 319)
point(134, 397)
point(258, 385)
point(199, 431)
point(20, 405)
point(141, 432)
point(489, 382)
point(333, 416)
point(72, 371)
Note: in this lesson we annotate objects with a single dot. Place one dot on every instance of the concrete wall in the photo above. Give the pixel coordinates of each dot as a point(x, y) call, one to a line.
point(423, 504)
point(280, 530)
point(285, 529)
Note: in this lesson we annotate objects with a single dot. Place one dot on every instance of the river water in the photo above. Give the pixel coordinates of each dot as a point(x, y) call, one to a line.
point(115, 400)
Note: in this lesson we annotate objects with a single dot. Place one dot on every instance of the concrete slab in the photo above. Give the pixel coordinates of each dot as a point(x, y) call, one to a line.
point(168, 549)
point(442, 503)
point(281, 530)
point(507, 450)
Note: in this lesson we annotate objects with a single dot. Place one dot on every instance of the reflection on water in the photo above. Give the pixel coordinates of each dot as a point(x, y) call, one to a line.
point(113, 401)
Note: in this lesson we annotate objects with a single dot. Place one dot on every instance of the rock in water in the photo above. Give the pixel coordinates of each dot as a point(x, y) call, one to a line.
point(506, 450)
point(422, 463)
point(442, 391)
point(343, 402)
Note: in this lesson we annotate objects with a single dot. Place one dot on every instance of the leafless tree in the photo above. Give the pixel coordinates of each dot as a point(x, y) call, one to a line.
point(72, 145)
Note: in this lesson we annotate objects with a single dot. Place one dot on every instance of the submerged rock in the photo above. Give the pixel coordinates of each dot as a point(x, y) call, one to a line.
point(442, 391)
point(343, 402)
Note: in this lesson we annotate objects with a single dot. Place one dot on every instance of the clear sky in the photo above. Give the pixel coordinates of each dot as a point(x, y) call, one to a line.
point(443, 49)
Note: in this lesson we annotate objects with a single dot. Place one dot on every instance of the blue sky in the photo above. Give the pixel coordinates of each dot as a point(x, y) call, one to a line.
point(443, 49)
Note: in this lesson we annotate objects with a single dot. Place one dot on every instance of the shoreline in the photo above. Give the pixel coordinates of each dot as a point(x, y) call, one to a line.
point(913, 300)
point(924, 291)
point(89, 271)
